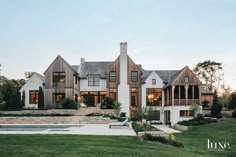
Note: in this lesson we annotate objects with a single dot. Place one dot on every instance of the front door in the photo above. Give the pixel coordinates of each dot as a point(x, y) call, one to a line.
point(90, 100)
point(167, 117)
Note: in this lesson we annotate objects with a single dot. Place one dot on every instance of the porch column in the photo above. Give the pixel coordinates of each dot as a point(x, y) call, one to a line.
point(179, 95)
point(200, 94)
point(173, 94)
point(186, 94)
point(163, 98)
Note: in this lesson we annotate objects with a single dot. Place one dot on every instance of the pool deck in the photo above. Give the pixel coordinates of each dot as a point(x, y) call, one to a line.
point(87, 129)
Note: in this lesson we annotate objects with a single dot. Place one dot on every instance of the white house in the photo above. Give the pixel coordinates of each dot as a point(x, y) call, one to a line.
point(31, 89)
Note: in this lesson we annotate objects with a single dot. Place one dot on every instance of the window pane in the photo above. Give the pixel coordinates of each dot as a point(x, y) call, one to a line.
point(134, 76)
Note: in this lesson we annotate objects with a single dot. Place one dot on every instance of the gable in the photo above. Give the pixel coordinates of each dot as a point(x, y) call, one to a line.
point(33, 83)
point(186, 72)
point(59, 64)
point(159, 81)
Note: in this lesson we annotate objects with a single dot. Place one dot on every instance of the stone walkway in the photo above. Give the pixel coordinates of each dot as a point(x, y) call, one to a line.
point(166, 129)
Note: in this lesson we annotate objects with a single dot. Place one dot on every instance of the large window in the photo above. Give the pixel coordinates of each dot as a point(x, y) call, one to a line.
point(58, 97)
point(186, 113)
point(134, 96)
point(33, 97)
point(93, 80)
point(59, 77)
point(112, 93)
point(112, 76)
point(134, 76)
point(153, 96)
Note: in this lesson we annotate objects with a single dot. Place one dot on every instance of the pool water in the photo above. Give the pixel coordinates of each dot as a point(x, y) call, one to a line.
point(35, 127)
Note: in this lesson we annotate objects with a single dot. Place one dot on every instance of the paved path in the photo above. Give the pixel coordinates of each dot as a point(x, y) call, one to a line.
point(166, 129)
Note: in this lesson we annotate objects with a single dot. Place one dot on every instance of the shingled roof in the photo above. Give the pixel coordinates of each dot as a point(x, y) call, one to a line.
point(94, 68)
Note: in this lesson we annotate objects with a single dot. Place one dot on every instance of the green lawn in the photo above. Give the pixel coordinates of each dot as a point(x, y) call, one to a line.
point(194, 140)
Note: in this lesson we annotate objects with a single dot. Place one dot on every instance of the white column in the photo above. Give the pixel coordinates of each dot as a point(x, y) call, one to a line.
point(173, 96)
point(163, 98)
point(186, 94)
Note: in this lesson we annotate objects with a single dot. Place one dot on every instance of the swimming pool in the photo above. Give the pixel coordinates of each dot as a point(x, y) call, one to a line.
point(30, 128)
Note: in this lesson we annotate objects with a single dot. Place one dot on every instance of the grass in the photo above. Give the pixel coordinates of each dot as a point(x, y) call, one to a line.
point(194, 140)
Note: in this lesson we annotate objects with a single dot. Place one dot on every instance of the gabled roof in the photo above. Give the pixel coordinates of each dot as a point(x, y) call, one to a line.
point(94, 68)
point(165, 75)
point(59, 57)
point(40, 76)
point(76, 68)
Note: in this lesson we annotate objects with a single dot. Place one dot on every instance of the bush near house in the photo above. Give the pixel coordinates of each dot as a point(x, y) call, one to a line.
point(137, 128)
point(108, 103)
point(205, 103)
point(68, 103)
point(197, 121)
point(162, 139)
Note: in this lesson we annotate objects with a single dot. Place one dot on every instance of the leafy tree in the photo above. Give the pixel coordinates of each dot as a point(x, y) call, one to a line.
point(216, 107)
point(210, 73)
point(41, 98)
point(195, 107)
point(224, 99)
point(232, 103)
point(28, 74)
point(23, 98)
point(68, 103)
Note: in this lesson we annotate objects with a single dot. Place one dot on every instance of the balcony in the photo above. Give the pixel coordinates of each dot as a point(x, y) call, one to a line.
point(181, 102)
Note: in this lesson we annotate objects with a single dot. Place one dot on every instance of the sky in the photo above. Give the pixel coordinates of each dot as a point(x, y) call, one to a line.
point(163, 35)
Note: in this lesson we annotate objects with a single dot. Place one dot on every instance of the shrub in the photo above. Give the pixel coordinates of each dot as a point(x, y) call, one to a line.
point(197, 121)
point(122, 114)
point(137, 128)
point(108, 103)
point(162, 139)
point(216, 107)
point(205, 103)
point(232, 103)
point(117, 107)
point(94, 115)
point(68, 103)
point(234, 113)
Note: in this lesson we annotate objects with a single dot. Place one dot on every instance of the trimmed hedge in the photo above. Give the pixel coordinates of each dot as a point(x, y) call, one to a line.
point(197, 121)
point(162, 139)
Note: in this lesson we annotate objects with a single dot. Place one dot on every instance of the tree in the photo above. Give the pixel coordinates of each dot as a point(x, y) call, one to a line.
point(117, 108)
point(232, 103)
point(216, 107)
point(195, 107)
point(224, 98)
point(28, 74)
point(210, 73)
point(23, 98)
point(41, 98)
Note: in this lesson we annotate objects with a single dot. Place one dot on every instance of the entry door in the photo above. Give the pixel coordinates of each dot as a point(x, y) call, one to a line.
point(167, 117)
point(90, 100)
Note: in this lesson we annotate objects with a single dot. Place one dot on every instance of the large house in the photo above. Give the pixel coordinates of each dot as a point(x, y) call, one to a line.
point(169, 92)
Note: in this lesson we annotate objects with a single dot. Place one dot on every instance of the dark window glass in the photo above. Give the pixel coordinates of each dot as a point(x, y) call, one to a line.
point(33, 97)
point(186, 113)
point(58, 97)
point(93, 80)
point(134, 76)
point(59, 77)
point(112, 76)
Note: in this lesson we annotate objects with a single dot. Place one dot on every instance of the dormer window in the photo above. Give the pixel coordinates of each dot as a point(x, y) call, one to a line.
point(186, 79)
point(154, 81)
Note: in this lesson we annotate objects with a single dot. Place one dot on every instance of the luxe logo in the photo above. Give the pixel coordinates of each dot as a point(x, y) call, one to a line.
point(218, 145)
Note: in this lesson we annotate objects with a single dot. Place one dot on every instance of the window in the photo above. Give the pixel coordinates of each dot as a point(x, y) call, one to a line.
point(112, 76)
point(76, 79)
point(153, 96)
point(112, 93)
point(134, 96)
point(33, 97)
point(154, 81)
point(93, 80)
point(58, 97)
point(186, 113)
point(59, 77)
point(186, 79)
point(134, 76)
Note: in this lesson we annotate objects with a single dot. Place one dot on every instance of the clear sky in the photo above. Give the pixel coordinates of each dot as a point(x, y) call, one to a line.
point(160, 34)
